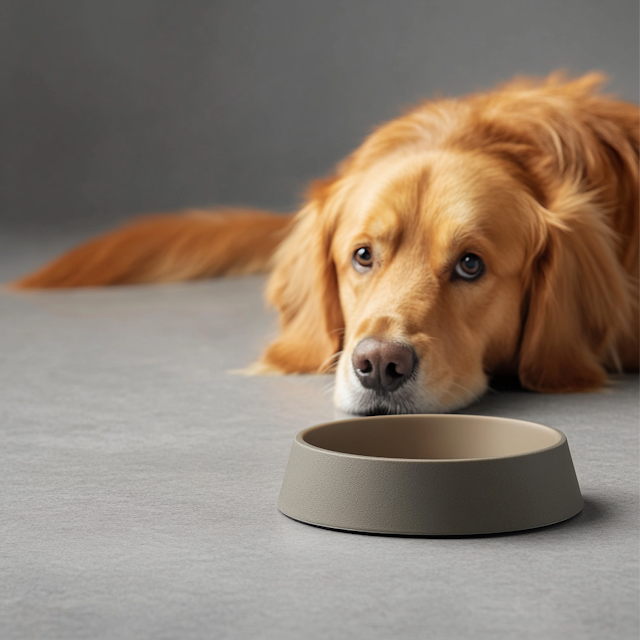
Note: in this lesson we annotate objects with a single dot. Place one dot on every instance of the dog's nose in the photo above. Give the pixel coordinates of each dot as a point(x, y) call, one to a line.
point(381, 365)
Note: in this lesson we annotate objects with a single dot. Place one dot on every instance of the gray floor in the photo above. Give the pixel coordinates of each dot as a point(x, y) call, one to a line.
point(139, 484)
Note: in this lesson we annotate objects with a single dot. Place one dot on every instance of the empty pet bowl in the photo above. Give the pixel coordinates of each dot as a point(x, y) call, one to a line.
point(430, 475)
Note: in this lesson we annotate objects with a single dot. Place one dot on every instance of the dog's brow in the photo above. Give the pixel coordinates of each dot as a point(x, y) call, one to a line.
point(459, 240)
point(397, 186)
point(383, 225)
point(463, 236)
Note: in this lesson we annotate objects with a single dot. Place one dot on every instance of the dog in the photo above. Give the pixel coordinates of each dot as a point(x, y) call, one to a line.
point(492, 234)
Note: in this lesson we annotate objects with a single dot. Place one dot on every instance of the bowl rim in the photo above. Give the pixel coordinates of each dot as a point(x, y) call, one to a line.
point(299, 439)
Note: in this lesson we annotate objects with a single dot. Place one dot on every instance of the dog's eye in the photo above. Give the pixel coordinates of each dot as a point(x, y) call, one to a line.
point(362, 259)
point(470, 266)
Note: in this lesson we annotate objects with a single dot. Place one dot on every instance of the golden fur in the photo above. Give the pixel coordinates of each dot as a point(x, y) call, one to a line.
point(539, 179)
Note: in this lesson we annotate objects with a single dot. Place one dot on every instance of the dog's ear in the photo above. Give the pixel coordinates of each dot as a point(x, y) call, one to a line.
point(579, 303)
point(304, 289)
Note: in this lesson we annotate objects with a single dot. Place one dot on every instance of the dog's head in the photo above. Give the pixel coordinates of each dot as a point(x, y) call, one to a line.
point(443, 253)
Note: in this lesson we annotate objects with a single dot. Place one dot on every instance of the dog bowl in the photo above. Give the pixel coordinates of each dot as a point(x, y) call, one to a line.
point(430, 475)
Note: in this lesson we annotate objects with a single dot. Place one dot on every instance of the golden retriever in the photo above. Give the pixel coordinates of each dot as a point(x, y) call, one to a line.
point(492, 234)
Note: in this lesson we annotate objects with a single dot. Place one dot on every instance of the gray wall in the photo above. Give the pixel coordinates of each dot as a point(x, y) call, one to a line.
point(113, 108)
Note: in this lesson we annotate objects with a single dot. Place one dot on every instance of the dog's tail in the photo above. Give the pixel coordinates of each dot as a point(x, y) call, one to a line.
point(168, 248)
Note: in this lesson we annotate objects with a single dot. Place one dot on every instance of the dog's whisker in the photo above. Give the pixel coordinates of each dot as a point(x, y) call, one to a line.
point(474, 396)
point(330, 363)
point(328, 388)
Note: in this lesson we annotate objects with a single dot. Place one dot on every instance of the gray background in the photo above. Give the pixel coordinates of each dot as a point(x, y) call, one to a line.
point(138, 479)
point(115, 108)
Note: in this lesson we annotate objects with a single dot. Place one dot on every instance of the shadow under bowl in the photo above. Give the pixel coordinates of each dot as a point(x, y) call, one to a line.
point(430, 475)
